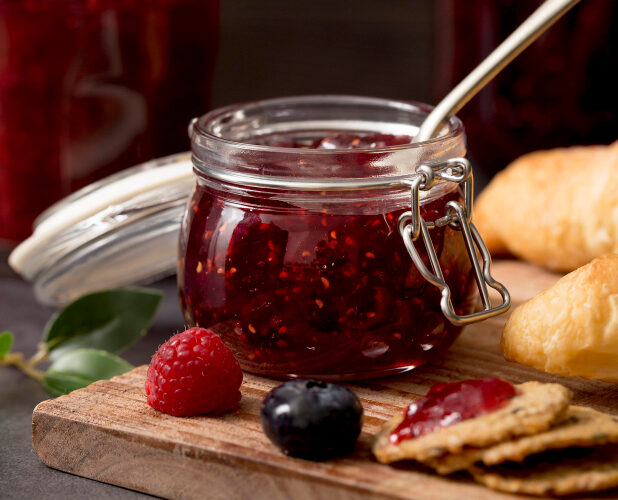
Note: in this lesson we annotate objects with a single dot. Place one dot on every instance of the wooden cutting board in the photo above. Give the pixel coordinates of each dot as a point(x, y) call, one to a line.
point(107, 431)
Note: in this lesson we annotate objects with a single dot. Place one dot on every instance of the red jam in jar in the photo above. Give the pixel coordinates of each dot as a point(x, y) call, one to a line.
point(300, 281)
point(450, 403)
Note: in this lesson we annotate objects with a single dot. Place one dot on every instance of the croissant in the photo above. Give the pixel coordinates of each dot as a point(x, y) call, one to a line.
point(557, 208)
point(572, 327)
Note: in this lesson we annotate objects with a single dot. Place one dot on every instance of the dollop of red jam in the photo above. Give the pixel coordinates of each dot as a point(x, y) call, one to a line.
point(450, 403)
point(323, 292)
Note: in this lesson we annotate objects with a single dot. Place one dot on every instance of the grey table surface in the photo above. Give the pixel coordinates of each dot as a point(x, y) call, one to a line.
point(22, 475)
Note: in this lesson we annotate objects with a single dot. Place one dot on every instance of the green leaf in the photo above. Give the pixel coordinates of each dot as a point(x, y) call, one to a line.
point(110, 320)
point(6, 341)
point(81, 367)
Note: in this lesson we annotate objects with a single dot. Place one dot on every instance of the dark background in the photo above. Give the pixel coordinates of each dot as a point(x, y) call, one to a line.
point(367, 47)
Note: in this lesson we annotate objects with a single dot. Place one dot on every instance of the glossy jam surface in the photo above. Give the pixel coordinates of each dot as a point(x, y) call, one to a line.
point(340, 140)
point(325, 290)
point(450, 403)
point(88, 88)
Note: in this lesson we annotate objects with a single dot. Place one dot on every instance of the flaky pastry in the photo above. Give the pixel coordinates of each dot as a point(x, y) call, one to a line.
point(557, 209)
point(571, 328)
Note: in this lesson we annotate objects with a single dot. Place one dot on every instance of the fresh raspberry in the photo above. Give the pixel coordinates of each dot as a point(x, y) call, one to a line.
point(193, 373)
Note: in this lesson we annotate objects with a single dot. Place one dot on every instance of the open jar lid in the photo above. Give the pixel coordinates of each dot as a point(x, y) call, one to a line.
point(119, 231)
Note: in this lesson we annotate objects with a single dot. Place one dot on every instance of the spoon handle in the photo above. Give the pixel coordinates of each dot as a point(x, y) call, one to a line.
point(538, 22)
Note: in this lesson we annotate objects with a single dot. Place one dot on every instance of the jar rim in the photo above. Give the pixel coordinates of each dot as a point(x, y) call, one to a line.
point(227, 143)
point(199, 125)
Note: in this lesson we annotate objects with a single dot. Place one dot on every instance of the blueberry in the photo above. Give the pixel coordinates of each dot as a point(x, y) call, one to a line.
point(311, 419)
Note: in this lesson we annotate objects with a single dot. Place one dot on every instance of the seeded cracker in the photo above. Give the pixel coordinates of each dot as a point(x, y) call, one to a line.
point(536, 407)
point(453, 462)
point(583, 427)
point(555, 472)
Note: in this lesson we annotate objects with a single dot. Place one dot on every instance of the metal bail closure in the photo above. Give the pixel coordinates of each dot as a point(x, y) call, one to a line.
point(412, 225)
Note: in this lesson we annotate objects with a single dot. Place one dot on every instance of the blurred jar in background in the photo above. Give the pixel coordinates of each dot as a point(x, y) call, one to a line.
point(88, 87)
point(558, 92)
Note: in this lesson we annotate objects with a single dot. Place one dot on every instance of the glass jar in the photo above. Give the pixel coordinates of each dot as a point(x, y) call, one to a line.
point(88, 88)
point(293, 254)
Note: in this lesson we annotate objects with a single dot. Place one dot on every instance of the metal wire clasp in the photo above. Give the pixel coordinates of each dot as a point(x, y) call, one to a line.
point(412, 225)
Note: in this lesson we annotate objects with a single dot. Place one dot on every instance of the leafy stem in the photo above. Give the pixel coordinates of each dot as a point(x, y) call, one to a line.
point(17, 360)
point(40, 356)
point(81, 340)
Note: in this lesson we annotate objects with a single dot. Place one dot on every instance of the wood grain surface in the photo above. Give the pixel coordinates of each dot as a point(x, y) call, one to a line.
point(107, 431)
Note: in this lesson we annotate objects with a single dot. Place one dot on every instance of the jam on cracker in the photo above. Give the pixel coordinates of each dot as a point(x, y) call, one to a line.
point(450, 403)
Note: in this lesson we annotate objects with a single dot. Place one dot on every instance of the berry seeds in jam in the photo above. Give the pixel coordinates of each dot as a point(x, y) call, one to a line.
point(318, 291)
point(450, 403)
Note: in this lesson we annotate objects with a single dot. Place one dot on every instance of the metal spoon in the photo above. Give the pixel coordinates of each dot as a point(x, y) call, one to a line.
point(538, 22)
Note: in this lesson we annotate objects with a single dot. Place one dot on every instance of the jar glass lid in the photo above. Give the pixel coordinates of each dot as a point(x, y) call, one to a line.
point(119, 231)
